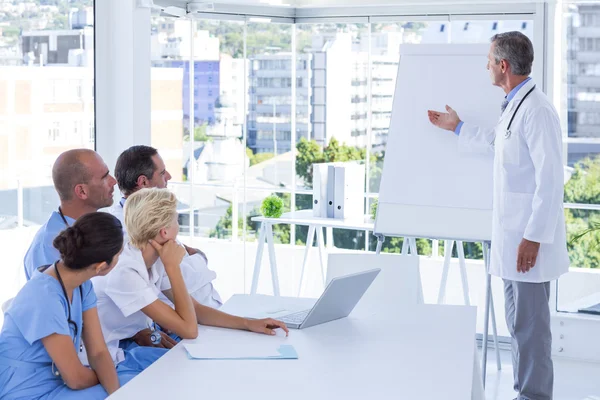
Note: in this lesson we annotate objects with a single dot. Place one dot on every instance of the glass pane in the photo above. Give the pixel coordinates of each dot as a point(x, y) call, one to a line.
point(212, 210)
point(580, 288)
point(269, 105)
point(581, 74)
point(46, 108)
point(214, 155)
point(332, 106)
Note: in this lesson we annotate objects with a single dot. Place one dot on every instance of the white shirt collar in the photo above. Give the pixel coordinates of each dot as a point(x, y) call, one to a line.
point(150, 275)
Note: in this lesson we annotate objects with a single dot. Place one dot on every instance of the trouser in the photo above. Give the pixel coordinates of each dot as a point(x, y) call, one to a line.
point(528, 320)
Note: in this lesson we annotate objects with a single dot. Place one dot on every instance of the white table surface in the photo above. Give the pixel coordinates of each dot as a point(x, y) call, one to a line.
point(583, 302)
point(305, 217)
point(427, 354)
point(264, 306)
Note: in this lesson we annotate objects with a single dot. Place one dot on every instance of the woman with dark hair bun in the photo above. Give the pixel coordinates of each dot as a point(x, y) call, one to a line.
point(55, 312)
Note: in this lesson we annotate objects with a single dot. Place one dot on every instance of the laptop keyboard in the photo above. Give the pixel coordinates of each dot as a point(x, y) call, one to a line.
point(295, 318)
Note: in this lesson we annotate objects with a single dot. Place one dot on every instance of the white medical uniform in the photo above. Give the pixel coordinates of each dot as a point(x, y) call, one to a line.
point(197, 276)
point(528, 186)
point(123, 293)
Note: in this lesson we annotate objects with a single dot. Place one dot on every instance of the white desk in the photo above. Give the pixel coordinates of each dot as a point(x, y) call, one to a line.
point(315, 225)
point(583, 302)
point(428, 354)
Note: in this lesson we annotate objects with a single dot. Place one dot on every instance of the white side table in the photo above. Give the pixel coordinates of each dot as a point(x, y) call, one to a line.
point(315, 226)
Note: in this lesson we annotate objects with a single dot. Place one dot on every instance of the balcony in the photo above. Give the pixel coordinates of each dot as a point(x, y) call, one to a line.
point(588, 81)
point(588, 32)
point(588, 56)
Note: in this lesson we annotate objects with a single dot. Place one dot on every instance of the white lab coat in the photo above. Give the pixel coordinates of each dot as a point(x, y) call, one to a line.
point(528, 186)
point(197, 276)
point(123, 293)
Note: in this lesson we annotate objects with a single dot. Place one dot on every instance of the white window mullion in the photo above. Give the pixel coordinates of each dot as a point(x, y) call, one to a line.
point(122, 47)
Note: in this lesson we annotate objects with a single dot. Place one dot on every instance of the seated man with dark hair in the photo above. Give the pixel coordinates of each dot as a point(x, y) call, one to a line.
point(141, 167)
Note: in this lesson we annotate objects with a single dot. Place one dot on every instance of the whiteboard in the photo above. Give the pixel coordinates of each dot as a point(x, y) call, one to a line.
point(429, 189)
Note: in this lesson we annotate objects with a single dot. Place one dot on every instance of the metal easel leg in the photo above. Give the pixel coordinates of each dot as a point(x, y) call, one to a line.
point(448, 245)
point(463, 271)
point(380, 240)
point(488, 309)
point(405, 246)
point(413, 246)
point(495, 332)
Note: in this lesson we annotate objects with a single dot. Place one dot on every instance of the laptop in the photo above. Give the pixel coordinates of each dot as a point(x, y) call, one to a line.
point(594, 310)
point(337, 301)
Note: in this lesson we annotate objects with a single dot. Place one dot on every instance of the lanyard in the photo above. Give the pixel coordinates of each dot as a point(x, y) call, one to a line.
point(70, 322)
point(508, 132)
point(63, 217)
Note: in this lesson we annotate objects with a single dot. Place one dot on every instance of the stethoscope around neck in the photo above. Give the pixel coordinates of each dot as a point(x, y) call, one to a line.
point(70, 322)
point(508, 132)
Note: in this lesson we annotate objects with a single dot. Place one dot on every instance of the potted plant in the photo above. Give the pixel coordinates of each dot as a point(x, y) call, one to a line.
point(272, 207)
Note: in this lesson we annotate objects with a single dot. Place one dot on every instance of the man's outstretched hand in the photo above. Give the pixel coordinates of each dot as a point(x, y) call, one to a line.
point(448, 120)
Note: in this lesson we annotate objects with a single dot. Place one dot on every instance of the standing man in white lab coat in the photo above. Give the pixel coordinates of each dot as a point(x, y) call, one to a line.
point(529, 237)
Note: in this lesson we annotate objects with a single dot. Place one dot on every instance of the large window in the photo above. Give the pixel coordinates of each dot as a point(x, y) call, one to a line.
point(198, 114)
point(46, 107)
point(242, 108)
point(333, 124)
point(581, 288)
point(262, 114)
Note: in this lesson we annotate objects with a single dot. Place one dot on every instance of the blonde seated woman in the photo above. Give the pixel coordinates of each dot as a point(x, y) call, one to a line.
point(128, 297)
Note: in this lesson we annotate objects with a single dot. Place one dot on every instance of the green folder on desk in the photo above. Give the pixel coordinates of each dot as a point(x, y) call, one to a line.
point(240, 351)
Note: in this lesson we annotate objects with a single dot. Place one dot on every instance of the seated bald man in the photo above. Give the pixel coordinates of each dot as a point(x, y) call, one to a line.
point(84, 185)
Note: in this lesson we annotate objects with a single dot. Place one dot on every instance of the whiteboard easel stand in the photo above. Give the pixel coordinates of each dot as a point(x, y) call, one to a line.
point(408, 242)
point(489, 299)
point(448, 247)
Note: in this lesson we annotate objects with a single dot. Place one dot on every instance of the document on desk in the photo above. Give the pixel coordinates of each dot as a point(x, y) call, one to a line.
point(240, 351)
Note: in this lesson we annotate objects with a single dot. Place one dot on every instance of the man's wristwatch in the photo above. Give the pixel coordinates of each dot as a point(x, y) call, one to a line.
point(155, 336)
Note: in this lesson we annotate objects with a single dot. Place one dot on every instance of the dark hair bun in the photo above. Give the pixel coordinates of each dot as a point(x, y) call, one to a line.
point(68, 243)
point(95, 237)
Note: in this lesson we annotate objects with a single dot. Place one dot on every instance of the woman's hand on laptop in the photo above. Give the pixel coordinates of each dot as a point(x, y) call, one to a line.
point(266, 326)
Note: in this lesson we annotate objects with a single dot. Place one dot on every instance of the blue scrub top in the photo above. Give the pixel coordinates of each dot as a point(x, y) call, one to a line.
point(42, 251)
point(39, 310)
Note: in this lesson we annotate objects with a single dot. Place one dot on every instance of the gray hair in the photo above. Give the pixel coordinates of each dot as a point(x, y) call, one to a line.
point(516, 49)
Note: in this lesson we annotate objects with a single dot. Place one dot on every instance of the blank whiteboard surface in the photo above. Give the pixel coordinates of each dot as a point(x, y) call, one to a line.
point(429, 189)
